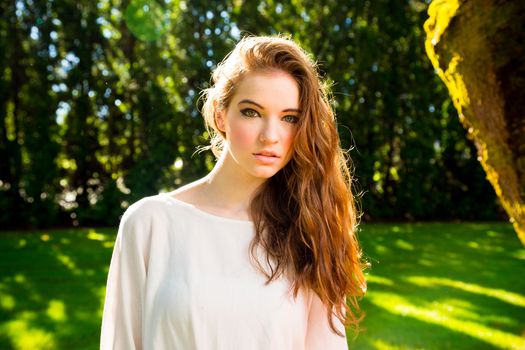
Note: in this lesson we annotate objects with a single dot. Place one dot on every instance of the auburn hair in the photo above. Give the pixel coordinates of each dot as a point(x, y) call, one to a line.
point(305, 215)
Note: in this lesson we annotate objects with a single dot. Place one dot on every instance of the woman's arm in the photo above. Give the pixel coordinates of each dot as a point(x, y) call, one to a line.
point(319, 335)
point(123, 306)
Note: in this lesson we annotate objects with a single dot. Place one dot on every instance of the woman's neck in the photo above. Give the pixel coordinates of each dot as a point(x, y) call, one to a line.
point(226, 191)
point(229, 186)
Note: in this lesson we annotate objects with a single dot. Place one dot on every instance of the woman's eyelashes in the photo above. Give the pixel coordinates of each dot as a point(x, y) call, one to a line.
point(252, 113)
point(291, 119)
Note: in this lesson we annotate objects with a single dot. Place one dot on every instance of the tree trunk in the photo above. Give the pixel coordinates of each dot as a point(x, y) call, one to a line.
point(477, 49)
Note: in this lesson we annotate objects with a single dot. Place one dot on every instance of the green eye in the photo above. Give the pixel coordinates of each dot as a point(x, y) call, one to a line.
point(250, 113)
point(291, 119)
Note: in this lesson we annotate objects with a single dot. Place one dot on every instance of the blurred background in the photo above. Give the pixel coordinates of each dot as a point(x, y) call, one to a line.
point(99, 107)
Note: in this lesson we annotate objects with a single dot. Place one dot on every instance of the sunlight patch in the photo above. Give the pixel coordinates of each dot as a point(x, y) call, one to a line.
point(404, 245)
point(402, 307)
point(25, 337)
point(381, 249)
point(93, 235)
point(69, 263)
point(382, 345)
point(501, 294)
point(7, 302)
point(379, 280)
point(100, 292)
point(519, 254)
point(20, 278)
point(56, 311)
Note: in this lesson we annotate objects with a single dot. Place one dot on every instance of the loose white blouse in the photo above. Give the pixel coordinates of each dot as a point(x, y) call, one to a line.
point(181, 278)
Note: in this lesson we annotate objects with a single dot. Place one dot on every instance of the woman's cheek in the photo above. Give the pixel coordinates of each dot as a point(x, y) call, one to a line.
point(288, 143)
point(243, 135)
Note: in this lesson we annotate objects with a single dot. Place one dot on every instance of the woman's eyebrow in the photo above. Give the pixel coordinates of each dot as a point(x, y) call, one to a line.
point(292, 110)
point(250, 102)
point(261, 107)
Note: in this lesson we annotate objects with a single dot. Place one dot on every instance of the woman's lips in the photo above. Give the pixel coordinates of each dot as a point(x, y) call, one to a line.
point(266, 158)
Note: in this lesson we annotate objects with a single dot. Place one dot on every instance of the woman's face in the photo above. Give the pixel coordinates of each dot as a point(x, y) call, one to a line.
point(260, 122)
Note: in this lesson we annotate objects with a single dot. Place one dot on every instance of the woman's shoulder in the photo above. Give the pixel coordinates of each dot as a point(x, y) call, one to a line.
point(147, 216)
point(145, 206)
point(158, 206)
point(188, 193)
point(151, 211)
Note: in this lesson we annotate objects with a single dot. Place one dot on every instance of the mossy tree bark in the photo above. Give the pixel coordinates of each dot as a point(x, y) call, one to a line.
point(477, 49)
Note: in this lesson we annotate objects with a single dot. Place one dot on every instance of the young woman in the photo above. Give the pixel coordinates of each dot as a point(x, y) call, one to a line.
point(260, 253)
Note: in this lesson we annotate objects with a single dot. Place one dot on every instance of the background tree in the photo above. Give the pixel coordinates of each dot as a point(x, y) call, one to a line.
point(99, 104)
point(477, 49)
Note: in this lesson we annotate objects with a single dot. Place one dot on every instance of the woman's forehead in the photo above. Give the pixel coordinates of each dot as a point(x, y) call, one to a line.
point(275, 88)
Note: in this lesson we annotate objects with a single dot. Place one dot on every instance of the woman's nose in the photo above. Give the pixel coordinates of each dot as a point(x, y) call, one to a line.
point(269, 132)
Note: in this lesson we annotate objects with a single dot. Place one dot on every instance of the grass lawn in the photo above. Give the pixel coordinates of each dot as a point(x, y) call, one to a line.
point(443, 286)
point(431, 286)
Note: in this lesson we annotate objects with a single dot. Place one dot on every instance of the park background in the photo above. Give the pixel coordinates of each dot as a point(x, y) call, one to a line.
point(99, 107)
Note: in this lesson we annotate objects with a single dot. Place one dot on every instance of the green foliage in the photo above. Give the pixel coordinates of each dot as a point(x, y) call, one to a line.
point(147, 20)
point(99, 104)
point(423, 292)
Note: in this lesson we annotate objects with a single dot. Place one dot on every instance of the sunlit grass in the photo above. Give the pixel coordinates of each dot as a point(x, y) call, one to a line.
point(431, 286)
point(25, 335)
point(56, 311)
point(503, 295)
point(52, 286)
point(443, 286)
point(451, 318)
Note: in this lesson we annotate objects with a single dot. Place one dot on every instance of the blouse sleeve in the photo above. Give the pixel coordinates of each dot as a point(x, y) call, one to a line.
point(123, 306)
point(319, 335)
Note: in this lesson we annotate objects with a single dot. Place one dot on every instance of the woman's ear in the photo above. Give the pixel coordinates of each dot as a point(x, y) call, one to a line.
point(219, 117)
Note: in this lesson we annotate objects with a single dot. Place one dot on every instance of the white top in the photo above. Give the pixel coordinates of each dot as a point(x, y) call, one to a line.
point(181, 278)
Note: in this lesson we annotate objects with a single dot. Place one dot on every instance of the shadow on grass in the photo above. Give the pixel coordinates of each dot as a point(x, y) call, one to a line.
point(52, 288)
point(436, 286)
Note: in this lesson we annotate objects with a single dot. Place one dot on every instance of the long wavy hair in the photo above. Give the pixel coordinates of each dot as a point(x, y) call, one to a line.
point(305, 215)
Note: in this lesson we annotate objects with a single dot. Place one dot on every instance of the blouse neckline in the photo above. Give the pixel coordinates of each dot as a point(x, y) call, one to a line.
point(205, 213)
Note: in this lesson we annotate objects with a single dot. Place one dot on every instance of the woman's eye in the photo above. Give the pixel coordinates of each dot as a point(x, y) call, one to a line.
point(250, 113)
point(291, 119)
